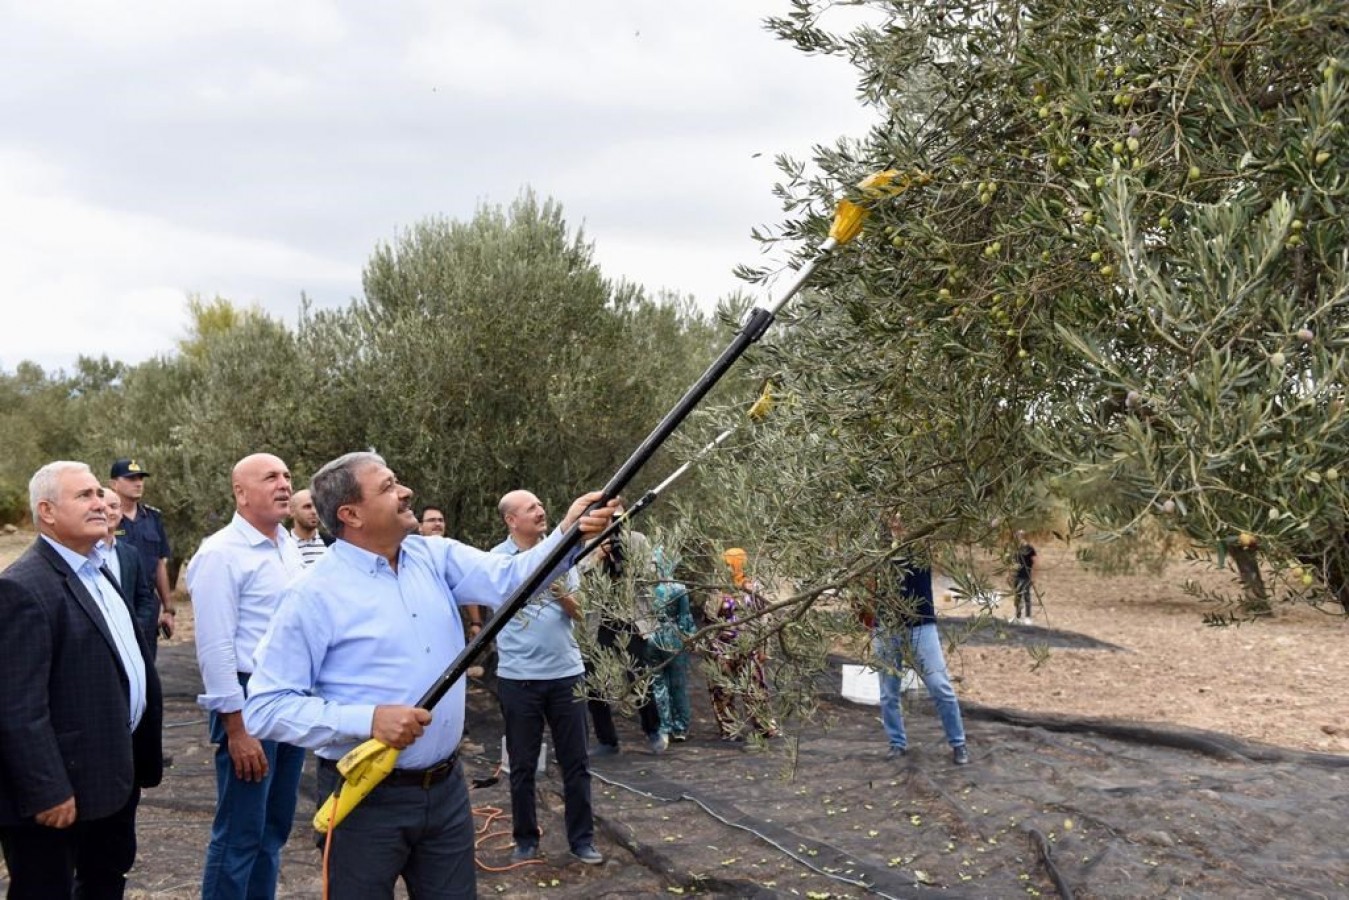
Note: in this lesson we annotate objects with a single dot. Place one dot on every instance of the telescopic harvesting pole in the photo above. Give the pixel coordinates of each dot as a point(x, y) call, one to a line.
point(368, 764)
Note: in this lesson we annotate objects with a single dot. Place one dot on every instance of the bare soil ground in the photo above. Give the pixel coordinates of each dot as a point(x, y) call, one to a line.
point(1113, 814)
point(1280, 680)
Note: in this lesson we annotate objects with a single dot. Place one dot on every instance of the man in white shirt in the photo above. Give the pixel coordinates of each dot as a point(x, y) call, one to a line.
point(236, 579)
point(304, 519)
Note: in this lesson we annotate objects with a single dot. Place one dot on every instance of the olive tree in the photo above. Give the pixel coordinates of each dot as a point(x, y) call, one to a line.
point(1119, 269)
point(505, 359)
point(44, 416)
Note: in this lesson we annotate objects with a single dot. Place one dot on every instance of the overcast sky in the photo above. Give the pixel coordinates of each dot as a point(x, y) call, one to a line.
point(256, 149)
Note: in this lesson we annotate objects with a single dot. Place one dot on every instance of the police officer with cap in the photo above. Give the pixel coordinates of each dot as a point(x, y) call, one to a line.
point(143, 528)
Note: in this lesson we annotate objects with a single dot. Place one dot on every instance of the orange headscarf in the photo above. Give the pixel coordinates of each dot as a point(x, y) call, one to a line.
point(736, 558)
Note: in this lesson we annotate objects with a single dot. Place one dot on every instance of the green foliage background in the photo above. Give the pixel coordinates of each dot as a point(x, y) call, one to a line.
point(1118, 283)
point(1114, 302)
point(485, 356)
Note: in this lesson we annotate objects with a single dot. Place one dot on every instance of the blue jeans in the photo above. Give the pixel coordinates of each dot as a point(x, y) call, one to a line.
point(252, 822)
point(918, 649)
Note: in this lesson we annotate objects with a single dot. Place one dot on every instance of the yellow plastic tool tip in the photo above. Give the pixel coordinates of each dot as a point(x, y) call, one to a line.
point(851, 214)
point(763, 406)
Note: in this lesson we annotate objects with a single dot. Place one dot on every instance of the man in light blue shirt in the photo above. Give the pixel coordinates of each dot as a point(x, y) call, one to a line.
point(356, 641)
point(539, 668)
point(236, 579)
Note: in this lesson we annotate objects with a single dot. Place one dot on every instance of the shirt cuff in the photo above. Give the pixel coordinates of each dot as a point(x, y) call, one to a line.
point(222, 703)
point(356, 721)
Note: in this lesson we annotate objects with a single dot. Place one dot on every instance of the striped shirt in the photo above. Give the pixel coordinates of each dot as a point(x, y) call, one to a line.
point(310, 550)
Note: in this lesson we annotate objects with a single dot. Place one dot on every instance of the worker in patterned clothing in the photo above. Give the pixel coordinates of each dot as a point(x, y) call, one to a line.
point(143, 528)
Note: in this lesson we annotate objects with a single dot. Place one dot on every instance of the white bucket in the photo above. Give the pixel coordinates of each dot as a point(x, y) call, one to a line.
point(541, 768)
point(862, 684)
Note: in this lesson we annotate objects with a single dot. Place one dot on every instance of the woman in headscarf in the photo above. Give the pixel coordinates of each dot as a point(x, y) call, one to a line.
point(741, 667)
point(674, 623)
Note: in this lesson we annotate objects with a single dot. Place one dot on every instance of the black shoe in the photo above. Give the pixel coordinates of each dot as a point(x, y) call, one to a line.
point(525, 851)
point(588, 855)
point(603, 750)
point(961, 755)
point(895, 753)
point(679, 737)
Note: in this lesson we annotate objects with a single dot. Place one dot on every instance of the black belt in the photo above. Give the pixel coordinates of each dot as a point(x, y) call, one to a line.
point(422, 778)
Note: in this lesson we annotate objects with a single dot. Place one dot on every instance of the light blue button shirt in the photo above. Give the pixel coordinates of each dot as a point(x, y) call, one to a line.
point(107, 552)
point(117, 616)
point(352, 634)
point(236, 580)
point(539, 643)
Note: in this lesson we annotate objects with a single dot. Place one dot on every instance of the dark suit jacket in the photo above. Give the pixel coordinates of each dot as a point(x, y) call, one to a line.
point(63, 698)
point(138, 588)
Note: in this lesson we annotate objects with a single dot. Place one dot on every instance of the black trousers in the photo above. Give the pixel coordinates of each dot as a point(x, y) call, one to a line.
point(1023, 597)
point(422, 834)
point(602, 717)
point(613, 636)
point(526, 706)
point(88, 860)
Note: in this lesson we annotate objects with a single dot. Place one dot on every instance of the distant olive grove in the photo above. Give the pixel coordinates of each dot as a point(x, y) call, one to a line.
point(484, 356)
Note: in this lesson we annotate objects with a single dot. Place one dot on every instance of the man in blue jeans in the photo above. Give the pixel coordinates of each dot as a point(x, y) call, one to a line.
point(539, 668)
point(354, 644)
point(904, 636)
point(236, 580)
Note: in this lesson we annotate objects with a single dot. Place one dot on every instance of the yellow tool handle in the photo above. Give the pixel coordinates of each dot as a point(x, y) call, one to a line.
point(361, 770)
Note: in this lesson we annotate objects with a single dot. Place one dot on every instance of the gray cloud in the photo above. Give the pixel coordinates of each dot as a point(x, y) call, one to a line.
point(257, 150)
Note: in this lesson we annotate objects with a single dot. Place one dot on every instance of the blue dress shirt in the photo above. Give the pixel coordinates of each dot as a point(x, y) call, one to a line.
point(117, 616)
point(107, 554)
point(352, 634)
point(539, 643)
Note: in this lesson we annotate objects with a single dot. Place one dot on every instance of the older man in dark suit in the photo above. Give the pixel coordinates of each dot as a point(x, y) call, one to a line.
point(80, 704)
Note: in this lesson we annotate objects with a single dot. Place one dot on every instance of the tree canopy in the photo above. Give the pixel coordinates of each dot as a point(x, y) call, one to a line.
point(1120, 274)
point(485, 356)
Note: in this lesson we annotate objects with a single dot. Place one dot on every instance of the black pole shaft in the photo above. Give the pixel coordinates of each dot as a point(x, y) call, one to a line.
point(755, 325)
point(628, 515)
point(650, 497)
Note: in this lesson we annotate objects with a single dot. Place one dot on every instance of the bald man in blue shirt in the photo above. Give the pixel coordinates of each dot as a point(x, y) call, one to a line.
point(358, 638)
point(538, 674)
